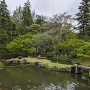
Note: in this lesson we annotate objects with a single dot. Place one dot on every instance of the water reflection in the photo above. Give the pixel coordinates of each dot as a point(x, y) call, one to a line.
point(52, 86)
point(16, 88)
point(81, 79)
point(33, 78)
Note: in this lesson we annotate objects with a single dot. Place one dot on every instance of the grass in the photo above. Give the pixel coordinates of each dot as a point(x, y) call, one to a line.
point(47, 62)
point(1, 65)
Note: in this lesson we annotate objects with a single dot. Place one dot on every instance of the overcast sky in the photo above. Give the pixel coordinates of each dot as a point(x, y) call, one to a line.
point(47, 7)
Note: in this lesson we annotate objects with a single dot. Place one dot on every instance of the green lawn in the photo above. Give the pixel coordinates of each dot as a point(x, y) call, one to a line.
point(47, 62)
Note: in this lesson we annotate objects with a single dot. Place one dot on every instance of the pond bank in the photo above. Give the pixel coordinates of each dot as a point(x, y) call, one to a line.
point(44, 63)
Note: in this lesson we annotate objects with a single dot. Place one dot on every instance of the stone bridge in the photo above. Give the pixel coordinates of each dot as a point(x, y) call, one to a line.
point(78, 69)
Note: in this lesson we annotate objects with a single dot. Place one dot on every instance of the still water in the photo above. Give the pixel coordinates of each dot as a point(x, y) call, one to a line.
point(34, 78)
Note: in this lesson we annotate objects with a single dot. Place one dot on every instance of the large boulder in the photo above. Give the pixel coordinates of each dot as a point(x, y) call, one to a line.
point(24, 61)
point(42, 65)
point(54, 68)
point(62, 70)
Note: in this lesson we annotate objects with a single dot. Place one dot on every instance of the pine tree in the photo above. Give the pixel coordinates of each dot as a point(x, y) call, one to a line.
point(83, 18)
point(27, 17)
point(40, 19)
point(17, 16)
point(6, 24)
point(4, 14)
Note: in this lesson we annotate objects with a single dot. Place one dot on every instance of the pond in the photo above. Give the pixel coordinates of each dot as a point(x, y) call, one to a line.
point(35, 78)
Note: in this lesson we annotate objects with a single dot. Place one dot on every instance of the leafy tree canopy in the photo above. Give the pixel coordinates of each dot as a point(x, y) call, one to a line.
point(21, 42)
point(84, 50)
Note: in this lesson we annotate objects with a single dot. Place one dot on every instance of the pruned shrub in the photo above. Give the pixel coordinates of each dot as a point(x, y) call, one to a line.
point(20, 57)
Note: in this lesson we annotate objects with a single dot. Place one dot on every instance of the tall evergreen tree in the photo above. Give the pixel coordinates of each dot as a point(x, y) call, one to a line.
point(27, 17)
point(17, 16)
point(17, 20)
point(6, 24)
point(4, 14)
point(40, 19)
point(4, 17)
point(83, 18)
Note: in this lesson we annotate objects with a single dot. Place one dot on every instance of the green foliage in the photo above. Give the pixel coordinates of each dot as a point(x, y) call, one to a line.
point(1, 65)
point(69, 48)
point(34, 28)
point(46, 66)
point(20, 57)
point(20, 44)
point(2, 48)
point(40, 19)
point(83, 18)
point(42, 40)
point(59, 27)
point(4, 12)
point(17, 16)
point(27, 17)
point(71, 35)
point(30, 34)
point(88, 30)
point(29, 43)
point(21, 30)
point(3, 36)
point(84, 51)
point(50, 54)
point(42, 43)
point(74, 48)
point(7, 27)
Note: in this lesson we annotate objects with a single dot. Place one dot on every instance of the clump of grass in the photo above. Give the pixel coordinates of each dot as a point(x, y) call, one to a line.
point(47, 67)
point(55, 68)
point(1, 65)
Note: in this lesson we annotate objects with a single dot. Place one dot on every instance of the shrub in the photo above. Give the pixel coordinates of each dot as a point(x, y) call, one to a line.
point(36, 63)
point(73, 54)
point(20, 57)
point(50, 54)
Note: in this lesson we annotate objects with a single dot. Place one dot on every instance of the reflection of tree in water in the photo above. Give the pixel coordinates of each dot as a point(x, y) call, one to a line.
point(60, 86)
point(1, 88)
point(16, 87)
point(83, 80)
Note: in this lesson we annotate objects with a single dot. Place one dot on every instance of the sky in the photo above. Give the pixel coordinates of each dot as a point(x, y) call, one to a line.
point(47, 7)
